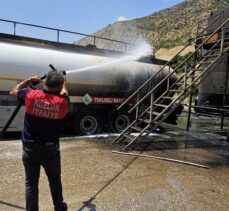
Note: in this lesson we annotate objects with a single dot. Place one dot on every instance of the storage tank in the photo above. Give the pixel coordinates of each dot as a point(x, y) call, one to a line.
point(214, 87)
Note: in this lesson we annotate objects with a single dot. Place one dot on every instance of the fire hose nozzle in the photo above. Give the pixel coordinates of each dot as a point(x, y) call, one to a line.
point(53, 68)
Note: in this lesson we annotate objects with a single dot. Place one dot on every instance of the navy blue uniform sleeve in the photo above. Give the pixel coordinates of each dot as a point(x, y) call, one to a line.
point(66, 97)
point(21, 94)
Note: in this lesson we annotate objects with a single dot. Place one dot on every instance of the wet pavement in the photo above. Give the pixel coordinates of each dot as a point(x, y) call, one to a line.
point(91, 172)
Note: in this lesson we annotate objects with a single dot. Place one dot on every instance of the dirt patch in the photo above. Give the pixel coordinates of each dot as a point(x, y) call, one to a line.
point(168, 54)
point(116, 182)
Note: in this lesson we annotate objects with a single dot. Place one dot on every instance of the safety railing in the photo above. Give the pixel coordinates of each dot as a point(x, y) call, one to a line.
point(58, 31)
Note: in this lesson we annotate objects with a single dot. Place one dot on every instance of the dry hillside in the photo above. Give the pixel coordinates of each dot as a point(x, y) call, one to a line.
point(167, 28)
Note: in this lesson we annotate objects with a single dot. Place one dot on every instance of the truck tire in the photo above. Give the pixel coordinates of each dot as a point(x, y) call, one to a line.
point(118, 121)
point(87, 122)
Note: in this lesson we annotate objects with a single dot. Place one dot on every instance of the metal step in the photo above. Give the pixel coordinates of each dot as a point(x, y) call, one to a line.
point(155, 113)
point(174, 90)
point(161, 105)
point(211, 56)
point(145, 120)
point(167, 97)
point(214, 50)
point(180, 83)
point(197, 69)
point(205, 62)
point(139, 129)
point(128, 136)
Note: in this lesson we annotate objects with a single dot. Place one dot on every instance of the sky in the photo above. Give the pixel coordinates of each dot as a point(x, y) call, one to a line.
point(85, 16)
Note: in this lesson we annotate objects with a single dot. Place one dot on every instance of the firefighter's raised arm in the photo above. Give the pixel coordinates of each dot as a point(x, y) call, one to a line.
point(24, 84)
point(64, 88)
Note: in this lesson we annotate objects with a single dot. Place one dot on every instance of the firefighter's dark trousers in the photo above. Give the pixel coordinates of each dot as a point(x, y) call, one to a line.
point(46, 155)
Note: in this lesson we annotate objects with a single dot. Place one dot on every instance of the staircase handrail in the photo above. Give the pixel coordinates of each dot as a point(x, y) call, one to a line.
point(167, 63)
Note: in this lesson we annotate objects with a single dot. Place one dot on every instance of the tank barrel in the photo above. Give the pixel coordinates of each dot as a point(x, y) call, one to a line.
point(117, 79)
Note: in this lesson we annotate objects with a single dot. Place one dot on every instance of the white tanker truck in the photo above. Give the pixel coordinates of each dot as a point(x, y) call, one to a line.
point(95, 92)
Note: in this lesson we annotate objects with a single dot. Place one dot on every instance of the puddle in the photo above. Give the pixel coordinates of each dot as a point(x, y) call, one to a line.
point(199, 122)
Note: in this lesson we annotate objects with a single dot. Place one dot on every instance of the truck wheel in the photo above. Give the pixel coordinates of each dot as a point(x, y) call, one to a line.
point(87, 123)
point(118, 121)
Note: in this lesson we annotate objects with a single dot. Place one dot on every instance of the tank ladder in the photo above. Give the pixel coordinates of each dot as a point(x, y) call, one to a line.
point(196, 69)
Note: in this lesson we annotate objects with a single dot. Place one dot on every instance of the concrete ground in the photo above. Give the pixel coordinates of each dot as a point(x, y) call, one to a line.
point(119, 182)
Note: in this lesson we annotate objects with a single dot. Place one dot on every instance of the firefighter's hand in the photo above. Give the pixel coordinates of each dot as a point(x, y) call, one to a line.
point(34, 79)
point(24, 84)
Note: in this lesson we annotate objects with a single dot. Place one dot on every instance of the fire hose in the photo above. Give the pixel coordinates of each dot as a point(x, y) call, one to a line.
point(20, 104)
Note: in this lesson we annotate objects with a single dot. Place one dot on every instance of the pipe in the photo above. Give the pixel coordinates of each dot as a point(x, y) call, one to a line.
point(162, 158)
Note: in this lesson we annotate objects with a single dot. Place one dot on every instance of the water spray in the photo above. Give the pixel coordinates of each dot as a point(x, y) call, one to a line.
point(142, 50)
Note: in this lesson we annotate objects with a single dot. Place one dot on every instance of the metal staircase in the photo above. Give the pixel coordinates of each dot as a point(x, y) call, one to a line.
point(195, 71)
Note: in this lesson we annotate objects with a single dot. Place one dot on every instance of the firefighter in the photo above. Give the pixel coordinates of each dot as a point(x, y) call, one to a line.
point(45, 110)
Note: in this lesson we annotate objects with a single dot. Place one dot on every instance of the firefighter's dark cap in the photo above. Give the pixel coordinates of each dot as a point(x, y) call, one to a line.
point(54, 79)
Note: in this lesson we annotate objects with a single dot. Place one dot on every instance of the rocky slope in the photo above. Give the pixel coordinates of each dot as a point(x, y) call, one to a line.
point(167, 28)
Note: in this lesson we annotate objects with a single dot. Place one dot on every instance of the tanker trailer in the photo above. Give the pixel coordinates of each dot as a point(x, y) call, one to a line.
point(97, 83)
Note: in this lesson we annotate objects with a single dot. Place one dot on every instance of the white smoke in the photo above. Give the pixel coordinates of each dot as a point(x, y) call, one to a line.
point(142, 48)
